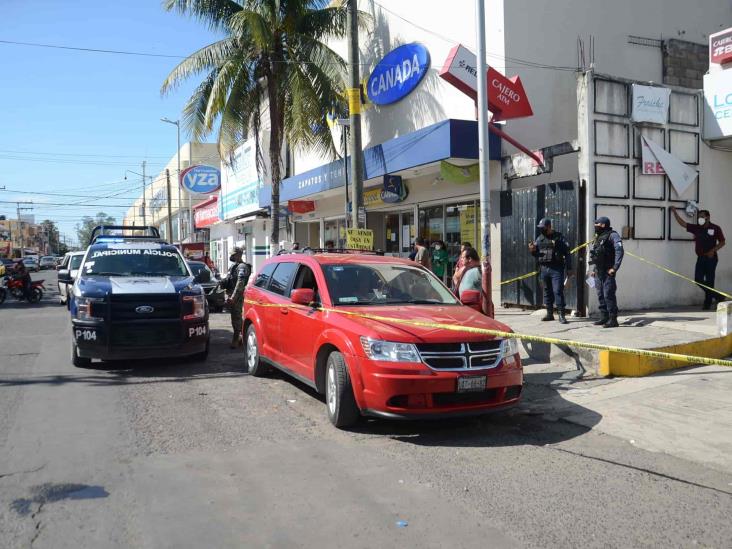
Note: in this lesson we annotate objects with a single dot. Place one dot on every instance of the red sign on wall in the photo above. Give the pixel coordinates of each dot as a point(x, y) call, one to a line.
point(720, 47)
point(206, 213)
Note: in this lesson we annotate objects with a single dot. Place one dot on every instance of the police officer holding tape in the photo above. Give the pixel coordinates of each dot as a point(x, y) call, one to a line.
point(235, 284)
point(552, 251)
point(606, 254)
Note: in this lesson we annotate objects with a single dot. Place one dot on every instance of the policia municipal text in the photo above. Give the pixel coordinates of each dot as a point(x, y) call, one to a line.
point(552, 252)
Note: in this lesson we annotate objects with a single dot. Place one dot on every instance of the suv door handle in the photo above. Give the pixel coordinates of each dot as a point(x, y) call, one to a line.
point(283, 310)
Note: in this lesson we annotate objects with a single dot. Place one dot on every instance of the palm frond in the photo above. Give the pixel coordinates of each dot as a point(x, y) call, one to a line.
point(215, 13)
point(207, 58)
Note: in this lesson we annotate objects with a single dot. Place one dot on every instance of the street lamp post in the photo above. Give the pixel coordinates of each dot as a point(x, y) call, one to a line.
point(176, 123)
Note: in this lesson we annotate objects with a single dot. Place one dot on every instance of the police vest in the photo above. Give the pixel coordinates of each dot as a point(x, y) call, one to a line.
point(602, 253)
point(548, 254)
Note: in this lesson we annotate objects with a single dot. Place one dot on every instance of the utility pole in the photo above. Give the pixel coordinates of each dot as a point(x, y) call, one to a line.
point(170, 212)
point(484, 160)
point(354, 111)
point(20, 225)
point(144, 206)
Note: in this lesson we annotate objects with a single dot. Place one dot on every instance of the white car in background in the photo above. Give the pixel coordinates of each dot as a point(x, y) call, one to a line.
point(72, 262)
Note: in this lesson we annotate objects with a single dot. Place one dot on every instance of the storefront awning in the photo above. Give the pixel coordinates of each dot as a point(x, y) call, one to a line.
point(456, 139)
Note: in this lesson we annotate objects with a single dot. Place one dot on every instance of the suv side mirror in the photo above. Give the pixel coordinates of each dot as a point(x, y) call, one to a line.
point(202, 276)
point(303, 296)
point(470, 297)
point(64, 275)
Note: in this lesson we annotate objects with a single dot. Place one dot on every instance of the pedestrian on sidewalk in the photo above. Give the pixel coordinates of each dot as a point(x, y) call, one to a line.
point(470, 275)
point(422, 255)
point(552, 252)
point(439, 260)
point(708, 240)
point(606, 254)
point(236, 283)
point(459, 267)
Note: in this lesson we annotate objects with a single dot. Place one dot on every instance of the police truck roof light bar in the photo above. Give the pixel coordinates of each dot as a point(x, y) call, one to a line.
point(106, 230)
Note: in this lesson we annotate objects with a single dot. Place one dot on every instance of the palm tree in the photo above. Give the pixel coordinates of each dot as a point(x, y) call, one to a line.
point(272, 68)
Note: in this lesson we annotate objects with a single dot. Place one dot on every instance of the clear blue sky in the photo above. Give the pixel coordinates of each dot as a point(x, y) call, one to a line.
point(72, 122)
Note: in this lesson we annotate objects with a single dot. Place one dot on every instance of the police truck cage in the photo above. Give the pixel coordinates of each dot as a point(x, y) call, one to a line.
point(116, 233)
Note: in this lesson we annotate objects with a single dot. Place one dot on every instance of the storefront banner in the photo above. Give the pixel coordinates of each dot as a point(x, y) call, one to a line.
point(650, 104)
point(680, 175)
point(301, 206)
point(359, 239)
point(467, 225)
point(459, 174)
point(207, 213)
point(398, 73)
point(718, 104)
point(720, 47)
point(240, 183)
point(380, 196)
point(200, 179)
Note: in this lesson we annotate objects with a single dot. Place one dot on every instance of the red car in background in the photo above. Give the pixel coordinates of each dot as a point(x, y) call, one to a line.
point(313, 316)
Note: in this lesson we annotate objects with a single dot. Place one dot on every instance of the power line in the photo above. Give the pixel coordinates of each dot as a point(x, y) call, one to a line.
point(134, 156)
point(73, 161)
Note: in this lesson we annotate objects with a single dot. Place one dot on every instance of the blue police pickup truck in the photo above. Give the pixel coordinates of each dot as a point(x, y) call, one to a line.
point(135, 298)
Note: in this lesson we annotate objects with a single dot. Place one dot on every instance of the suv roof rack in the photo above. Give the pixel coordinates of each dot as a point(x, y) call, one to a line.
point(308, 250)
point(105, 230)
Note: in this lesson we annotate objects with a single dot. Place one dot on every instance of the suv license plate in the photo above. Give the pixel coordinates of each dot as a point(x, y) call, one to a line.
point(467, 384)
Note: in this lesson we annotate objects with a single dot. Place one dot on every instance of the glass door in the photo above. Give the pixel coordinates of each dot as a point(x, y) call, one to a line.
point(408, 232)
point(335, 230)
point(391, 224)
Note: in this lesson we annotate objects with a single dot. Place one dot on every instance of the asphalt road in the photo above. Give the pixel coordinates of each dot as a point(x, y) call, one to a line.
point(182, 454)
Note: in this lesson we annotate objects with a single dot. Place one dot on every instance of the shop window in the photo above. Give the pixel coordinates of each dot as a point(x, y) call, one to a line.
point(460, 225)
point(391, 222)
point(335, 230)
point(431, 223)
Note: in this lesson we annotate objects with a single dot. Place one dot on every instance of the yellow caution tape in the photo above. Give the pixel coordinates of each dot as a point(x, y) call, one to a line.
point(533, 273)
point(686, 359)
point(669, 271)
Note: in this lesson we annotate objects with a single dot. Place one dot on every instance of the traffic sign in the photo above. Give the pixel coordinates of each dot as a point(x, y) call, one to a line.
point(506, 96)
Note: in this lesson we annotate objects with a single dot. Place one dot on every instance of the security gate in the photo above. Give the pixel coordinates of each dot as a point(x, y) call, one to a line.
point(521, 210)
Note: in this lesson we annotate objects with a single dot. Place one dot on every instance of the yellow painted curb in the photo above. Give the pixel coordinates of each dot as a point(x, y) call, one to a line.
point(623, 364)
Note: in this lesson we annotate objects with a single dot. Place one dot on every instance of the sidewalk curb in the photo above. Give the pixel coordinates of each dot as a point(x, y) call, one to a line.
point(620, 364)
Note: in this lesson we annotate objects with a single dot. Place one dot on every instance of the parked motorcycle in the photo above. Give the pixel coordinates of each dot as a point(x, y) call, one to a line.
point(14, 288)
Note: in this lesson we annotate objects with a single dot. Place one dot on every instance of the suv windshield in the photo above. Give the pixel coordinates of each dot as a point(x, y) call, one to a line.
point(134, 261)
point(384, 284)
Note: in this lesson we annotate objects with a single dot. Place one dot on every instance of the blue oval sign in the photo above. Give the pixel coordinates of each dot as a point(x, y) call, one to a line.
point(398, 73)
point(201, 179)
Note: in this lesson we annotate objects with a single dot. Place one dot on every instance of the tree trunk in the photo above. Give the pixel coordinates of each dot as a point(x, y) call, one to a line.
point(275, 152)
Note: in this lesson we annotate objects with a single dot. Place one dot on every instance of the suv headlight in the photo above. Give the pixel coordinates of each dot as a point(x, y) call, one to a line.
point(89, 308)
point(509, 347)
point(388, 351)
point(198, 306)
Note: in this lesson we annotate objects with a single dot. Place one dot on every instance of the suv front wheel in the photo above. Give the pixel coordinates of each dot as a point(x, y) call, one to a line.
point(342, 408)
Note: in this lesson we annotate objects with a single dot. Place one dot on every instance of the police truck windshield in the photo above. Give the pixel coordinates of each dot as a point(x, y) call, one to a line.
point(134, 261)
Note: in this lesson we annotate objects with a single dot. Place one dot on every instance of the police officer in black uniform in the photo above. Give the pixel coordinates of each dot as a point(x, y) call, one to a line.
point(606, 254)
point(236, 283)
point(552, 251)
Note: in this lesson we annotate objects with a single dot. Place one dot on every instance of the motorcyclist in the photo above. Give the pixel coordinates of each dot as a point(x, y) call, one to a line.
point(21, 274)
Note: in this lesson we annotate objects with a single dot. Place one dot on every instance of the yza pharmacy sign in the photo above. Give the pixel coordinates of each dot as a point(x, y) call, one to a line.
point(201, 179)
point(398, 73)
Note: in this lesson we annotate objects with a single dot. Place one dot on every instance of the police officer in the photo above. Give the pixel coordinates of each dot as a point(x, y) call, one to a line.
point(236, 283)
point(552, 251)
point(606, 254)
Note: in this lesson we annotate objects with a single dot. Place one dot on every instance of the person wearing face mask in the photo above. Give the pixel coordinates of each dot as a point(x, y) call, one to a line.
point(236, 282)
point(606, 254)
point(708, 239)
point(552, 252)
point(439, 260)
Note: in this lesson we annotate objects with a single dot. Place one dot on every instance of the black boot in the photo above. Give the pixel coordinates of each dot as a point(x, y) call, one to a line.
point(562, 318)
point(549, 315)
point(603, 320)
point(612, 322)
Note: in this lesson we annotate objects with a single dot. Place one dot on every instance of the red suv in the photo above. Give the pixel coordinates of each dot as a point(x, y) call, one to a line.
point(313, 316)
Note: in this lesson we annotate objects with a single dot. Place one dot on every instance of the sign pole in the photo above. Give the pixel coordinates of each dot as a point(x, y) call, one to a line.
point(354, 111)
point(484, 159)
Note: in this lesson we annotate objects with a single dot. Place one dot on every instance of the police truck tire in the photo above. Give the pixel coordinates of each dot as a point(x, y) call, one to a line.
point(202, 356)
point(255, 364)
point(76, 360)
point(340, 402)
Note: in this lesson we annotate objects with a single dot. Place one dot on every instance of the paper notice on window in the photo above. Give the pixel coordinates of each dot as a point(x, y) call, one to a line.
point(590, 281)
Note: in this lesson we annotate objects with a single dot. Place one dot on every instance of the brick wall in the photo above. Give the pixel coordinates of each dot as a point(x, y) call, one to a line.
point(684, 63)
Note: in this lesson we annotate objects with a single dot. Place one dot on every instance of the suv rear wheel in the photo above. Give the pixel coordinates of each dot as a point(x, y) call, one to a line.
point(255, 365)
point(342, 408)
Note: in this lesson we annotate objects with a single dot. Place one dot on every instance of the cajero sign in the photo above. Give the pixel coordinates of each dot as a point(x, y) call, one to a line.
point(398, 73)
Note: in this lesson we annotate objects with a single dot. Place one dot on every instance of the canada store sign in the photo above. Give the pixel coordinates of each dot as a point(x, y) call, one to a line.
point(398, 73)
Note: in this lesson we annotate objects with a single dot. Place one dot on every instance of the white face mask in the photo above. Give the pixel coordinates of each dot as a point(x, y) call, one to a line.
point(702, 220)
point(438, 247)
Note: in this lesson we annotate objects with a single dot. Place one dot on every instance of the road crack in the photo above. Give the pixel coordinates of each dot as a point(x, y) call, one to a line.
point(3, 475)
point(38, 525)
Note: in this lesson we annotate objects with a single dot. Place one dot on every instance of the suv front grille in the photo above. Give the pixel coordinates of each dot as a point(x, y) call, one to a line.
point(461, 356)
point(164, 306)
